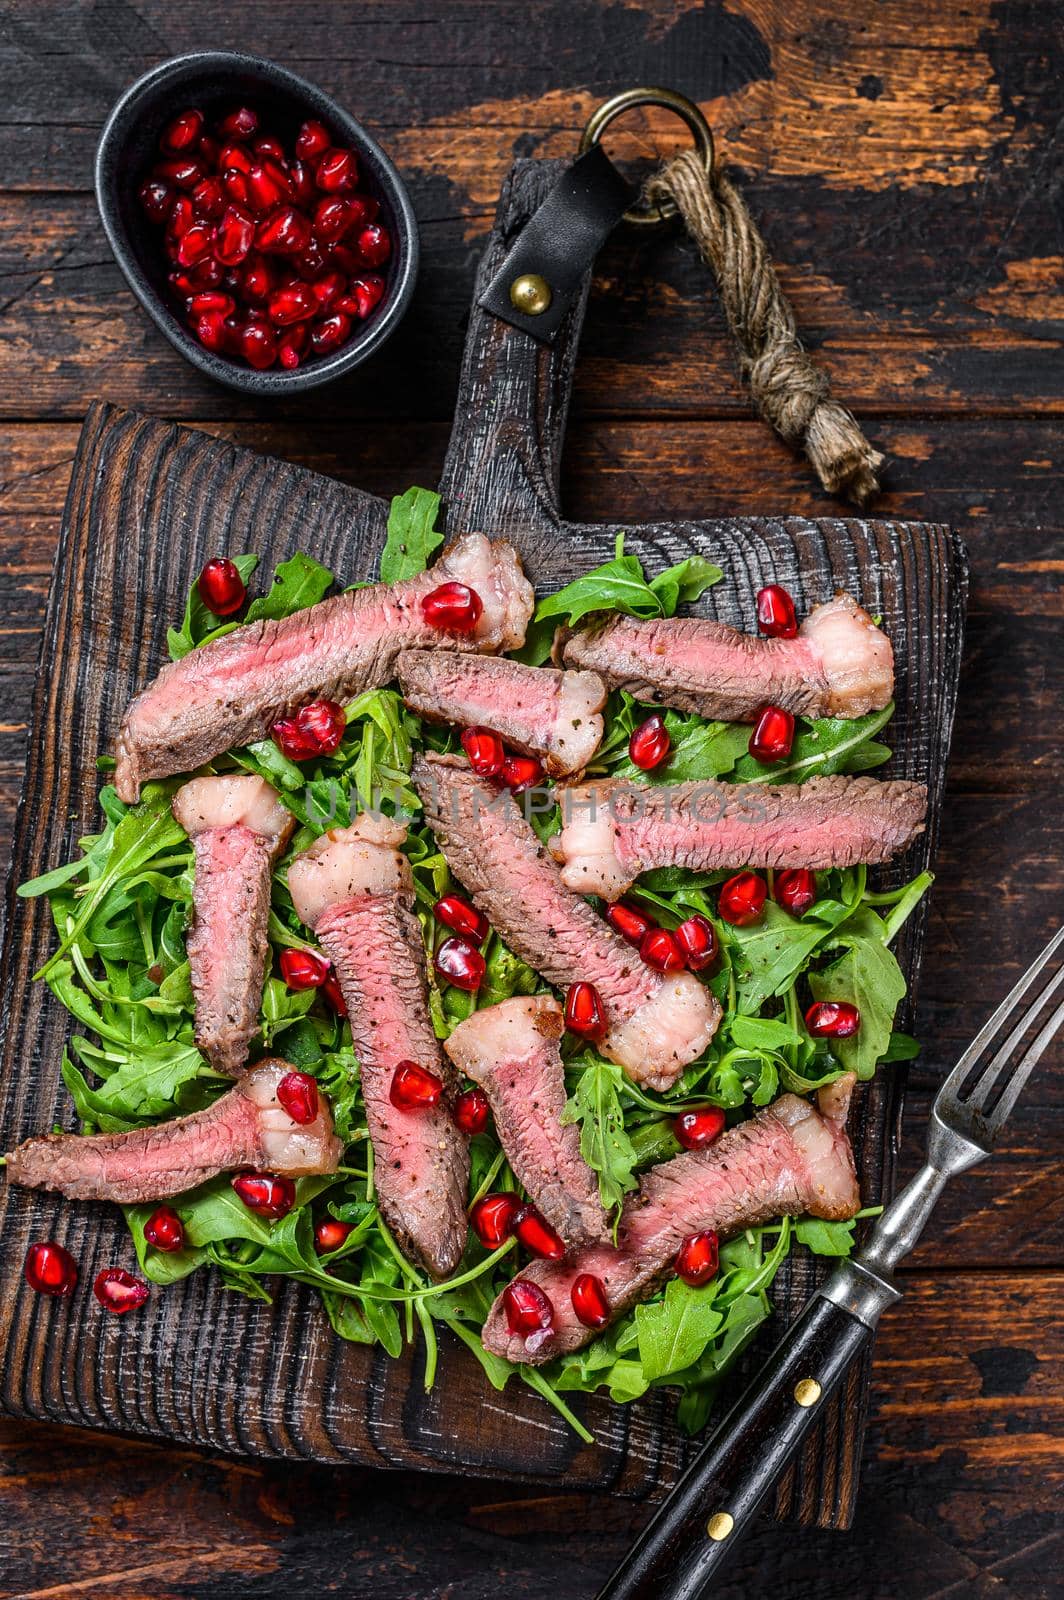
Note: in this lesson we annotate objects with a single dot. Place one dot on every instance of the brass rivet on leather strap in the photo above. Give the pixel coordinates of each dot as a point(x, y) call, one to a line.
point(807, 1391)
point(531, 294)
point(720, 1525)
point(685, 109)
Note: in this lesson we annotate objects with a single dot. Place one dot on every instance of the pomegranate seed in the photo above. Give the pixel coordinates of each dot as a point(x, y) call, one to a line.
point(649, 744)
point(239, 124)
point(588, 1295)
point(51, 1270)
point(195, 244)
point(315, 730)
point(795, 890)
point(528, 1310)
point(458, 915)
point(472, 1111)
point(327, 287)
point(374, 244)
point(661, 950)
point(333, 217)
point(312, 140)
point(209, 199)
point(330, 1233)
point(303, 969)
point(364, 294)
point(267, 186)
point(337, 169)
point(629, 922)
point(235, 157)
point(698, 1128)
point(775, 613)
point(291, 345)
point(492, 1219)
point(330, 333)
point(346, 259)
point(698, 1258)
point(832, 1019)
point(697, 938)
point(461, 964)
point(182, 172)
point(301, 184)
point(210, 330)
point(258, 280)
point(742, 899)
point(182, 217)
point(220, 587)
point(211, 300)
point(235, 183)
point(164, 1230)
point(119, 1291)
point(183, 131)
point(537, 1235)
point(294, 303)
point(485, 751)
point(334, 994)
point(156, 198)
point(521, 772)
point(258, 346)
point(285, 232)
point(453, 607)
point(773, 735)
point(297, 1094)
point(209, 149)
point(414, 1087)
point(234, 236)
point(269, 148)
point(584, 1012)
point(265, 1193)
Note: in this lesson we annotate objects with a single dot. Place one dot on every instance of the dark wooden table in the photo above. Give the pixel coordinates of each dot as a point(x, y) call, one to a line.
point(902, 159)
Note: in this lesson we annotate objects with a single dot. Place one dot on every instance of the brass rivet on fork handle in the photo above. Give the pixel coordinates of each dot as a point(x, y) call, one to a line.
point(645, 215)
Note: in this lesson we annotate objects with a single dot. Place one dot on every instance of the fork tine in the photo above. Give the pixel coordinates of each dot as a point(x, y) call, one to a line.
point(1023, 1071)
point(988, 1032)
point(981, 1091)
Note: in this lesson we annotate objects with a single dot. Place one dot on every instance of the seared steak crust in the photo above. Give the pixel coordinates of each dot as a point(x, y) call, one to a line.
point(512, 1051)
point(355, 890)
point(657, 1024)
point(539, 710)
point(230, 692)
point(244, 1128)
point(840, 665)
point(790, 1159)
point(611, 832)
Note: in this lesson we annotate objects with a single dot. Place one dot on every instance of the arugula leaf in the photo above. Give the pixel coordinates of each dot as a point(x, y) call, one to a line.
point(825, 1238)
point(768, 955)
point(868, 976)
point(412, 536)
point(201, 625)
point(822, 747)
point(297, 583)
point(604, 1143)
point(674, 1331)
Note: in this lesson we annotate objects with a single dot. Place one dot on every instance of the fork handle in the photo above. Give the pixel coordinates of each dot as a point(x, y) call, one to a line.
point(693, 1535)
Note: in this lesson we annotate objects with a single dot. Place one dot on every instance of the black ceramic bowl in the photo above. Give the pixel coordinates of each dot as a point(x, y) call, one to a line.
point(216, 81)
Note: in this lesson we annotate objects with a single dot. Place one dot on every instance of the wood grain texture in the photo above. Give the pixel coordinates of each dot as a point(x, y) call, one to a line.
point(149, 497)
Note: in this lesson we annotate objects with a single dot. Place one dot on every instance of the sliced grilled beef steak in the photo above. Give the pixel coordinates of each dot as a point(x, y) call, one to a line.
point(238, 827)
point(790, 1159)
point(611, 832)
point(232, 691)
point(657, 1023)
point(840, 664)
point(354, 888)
point(244, 1128)
point(538, 710)
point(511, 1050)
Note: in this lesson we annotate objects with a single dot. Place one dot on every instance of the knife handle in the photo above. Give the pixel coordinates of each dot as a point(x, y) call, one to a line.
point(694, 1533)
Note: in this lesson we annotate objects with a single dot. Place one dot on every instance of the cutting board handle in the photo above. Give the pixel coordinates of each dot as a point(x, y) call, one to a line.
point(504, 455)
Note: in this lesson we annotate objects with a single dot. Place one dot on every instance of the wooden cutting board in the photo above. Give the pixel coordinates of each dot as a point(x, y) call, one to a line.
point(148, 504)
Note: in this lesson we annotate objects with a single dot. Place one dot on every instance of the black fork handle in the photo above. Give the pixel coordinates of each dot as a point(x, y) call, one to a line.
point(693, 1535)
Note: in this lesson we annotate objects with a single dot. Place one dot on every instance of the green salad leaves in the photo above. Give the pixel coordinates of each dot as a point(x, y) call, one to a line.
point(120, 968)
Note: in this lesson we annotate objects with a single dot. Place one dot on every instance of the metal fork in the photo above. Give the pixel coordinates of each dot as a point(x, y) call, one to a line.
point(692, 1536)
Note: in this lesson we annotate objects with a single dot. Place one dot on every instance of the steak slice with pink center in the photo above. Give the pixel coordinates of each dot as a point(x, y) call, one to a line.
point(537, 710)
point(354, 888)
point(840, 664)
point(790, 1160)
point(511, 1050)
point(238, 827)
point(247, 1127)
point(658, 1024)
point(612, 832)
point(231, 691)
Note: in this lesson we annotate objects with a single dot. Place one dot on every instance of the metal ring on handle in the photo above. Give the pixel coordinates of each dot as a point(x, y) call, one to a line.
point(686, 110)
